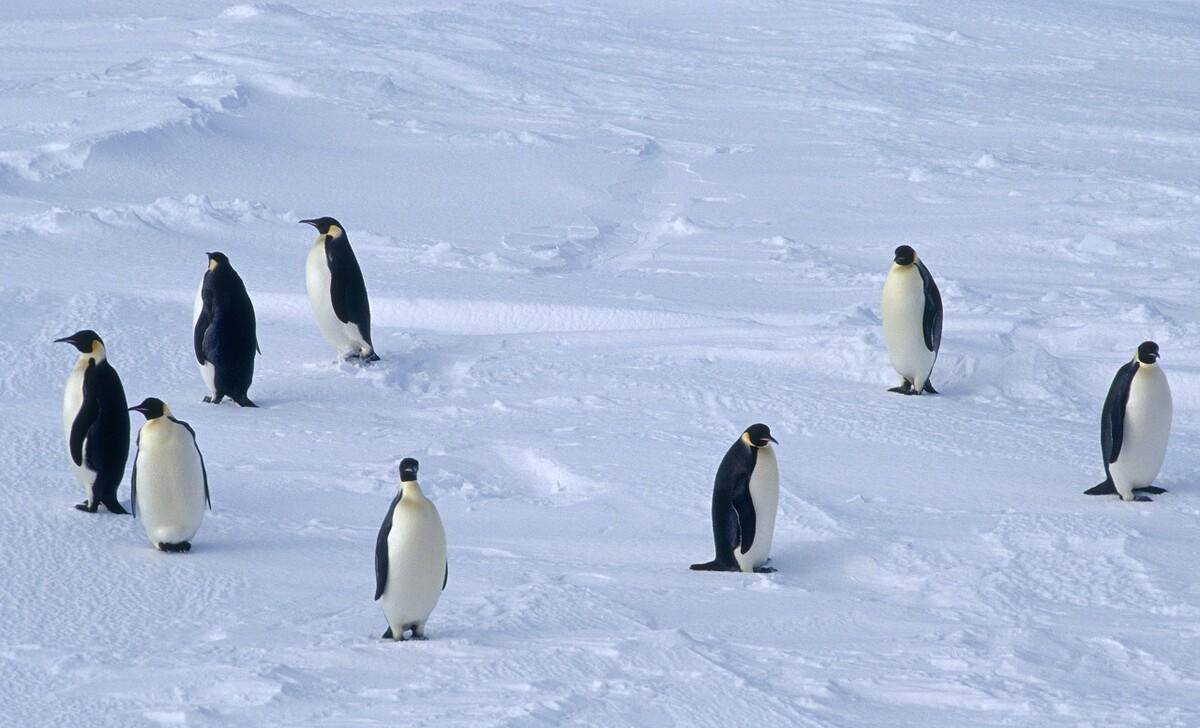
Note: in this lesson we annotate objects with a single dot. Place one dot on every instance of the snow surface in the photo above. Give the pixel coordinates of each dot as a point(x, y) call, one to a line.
point(600, 241)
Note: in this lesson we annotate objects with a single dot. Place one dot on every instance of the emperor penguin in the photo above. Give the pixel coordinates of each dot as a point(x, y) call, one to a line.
point(337, 292)
point(95, 423)
point(223, 333)
point(174, 484)
point(745, 500)
point(410, 558)
point(1134, 427)
point(912, 321)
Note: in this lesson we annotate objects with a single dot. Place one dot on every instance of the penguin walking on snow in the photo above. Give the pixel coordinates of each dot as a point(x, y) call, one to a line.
point(745, 500)
point(173, 489)
point(1134, 427)
point(410, 558)
point(96, 423)
point(337, 292)
point(912, 321)
point(224, 333)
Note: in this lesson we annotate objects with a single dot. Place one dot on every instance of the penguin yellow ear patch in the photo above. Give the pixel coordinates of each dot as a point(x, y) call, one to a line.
point(334, 231)
point(212, 264)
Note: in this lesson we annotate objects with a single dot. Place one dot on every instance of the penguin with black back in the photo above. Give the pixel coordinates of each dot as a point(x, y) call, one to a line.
point(744, 503)
point(1134, 427)
point(912, 321)
point(224, 333)
point(95, 423)
point(337, 292)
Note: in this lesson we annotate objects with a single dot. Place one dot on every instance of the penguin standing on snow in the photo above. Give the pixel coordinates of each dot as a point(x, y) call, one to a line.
point(96, 423)
point(1134, 427)
point(410, 558)
point(745, 500)
point(912, 321)
point(224, 333)
point(337, 292)
point(174, 484)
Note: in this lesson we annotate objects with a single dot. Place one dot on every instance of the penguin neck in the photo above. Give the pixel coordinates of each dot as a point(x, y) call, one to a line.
point(411, 492)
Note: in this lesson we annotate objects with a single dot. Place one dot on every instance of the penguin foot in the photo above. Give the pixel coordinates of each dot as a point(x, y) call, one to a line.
point(179, 548)
point(906, 388)
point(1150, 489)
point(1142, 499)
point(765, 570)
point(215, 400)
point(207, 399)
point(714, 565)
point(87, 507)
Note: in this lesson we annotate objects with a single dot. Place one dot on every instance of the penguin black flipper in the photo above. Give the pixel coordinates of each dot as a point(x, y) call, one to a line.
point(1112, 419)
point(932, 320)
point(347, 290)
point(381, 550)
point(446, 578)
point(89, 410)
point(203, 470)
point(203, 320)
point(743, 506)
point(133, 478)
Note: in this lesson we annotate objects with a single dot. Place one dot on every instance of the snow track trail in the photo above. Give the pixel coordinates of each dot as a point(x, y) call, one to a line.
point(600, 239)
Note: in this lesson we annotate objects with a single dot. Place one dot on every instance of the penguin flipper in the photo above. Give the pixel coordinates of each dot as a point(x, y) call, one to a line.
point(202, 323)
point(203, 470)
point(744, 507)
point(1153, 489)
point(1105, 488)
point(133, 477)
point(932, 319)
point(87, 414)
point(1112, 419)
point(347, 290)
point(446, 578)
point(381, 550)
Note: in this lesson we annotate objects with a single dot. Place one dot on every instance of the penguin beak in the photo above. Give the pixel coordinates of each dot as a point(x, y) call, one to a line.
point(309, 222)
point(64, 340)
point(772, 439)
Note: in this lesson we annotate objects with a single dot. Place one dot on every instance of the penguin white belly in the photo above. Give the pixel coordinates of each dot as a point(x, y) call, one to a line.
point(416, 565)
point(343, 337)
point(764, 493)
point(170, 483)
point(72, 402)
point(1147, 428)
point(904, 324)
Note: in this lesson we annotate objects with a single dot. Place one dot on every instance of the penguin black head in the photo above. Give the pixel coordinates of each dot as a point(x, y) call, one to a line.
point(85, 340)
point(905, 255)
point(324, 225)
point(152, 408)
point(408, 470)
point(758, 435)
point(1147, 352)
point(215, 259)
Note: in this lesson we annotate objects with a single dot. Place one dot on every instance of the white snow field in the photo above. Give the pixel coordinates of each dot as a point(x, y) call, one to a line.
point(601, 239)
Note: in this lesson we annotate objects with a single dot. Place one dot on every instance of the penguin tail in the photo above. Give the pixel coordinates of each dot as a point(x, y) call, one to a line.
point(713, 565)
point(114, 506)
point(929, 387)
point(371, 357)
point(1105, 488)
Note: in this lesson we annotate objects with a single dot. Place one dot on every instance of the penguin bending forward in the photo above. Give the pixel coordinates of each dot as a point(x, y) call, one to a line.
point(96, 423)
point(224, 333)
point(337, 292)
point(912, 321)
point(745, 500)
point(174, 484)
point(1134, 427)
point(410, 558)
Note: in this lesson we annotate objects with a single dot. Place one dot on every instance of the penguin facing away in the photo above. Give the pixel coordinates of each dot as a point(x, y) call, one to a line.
point(1134, 427)
point(744, 504)
point(224, 333)
point(410, 558)
point(912, 321)
point(95, 423)
point(337, 292)
point(174, 484)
